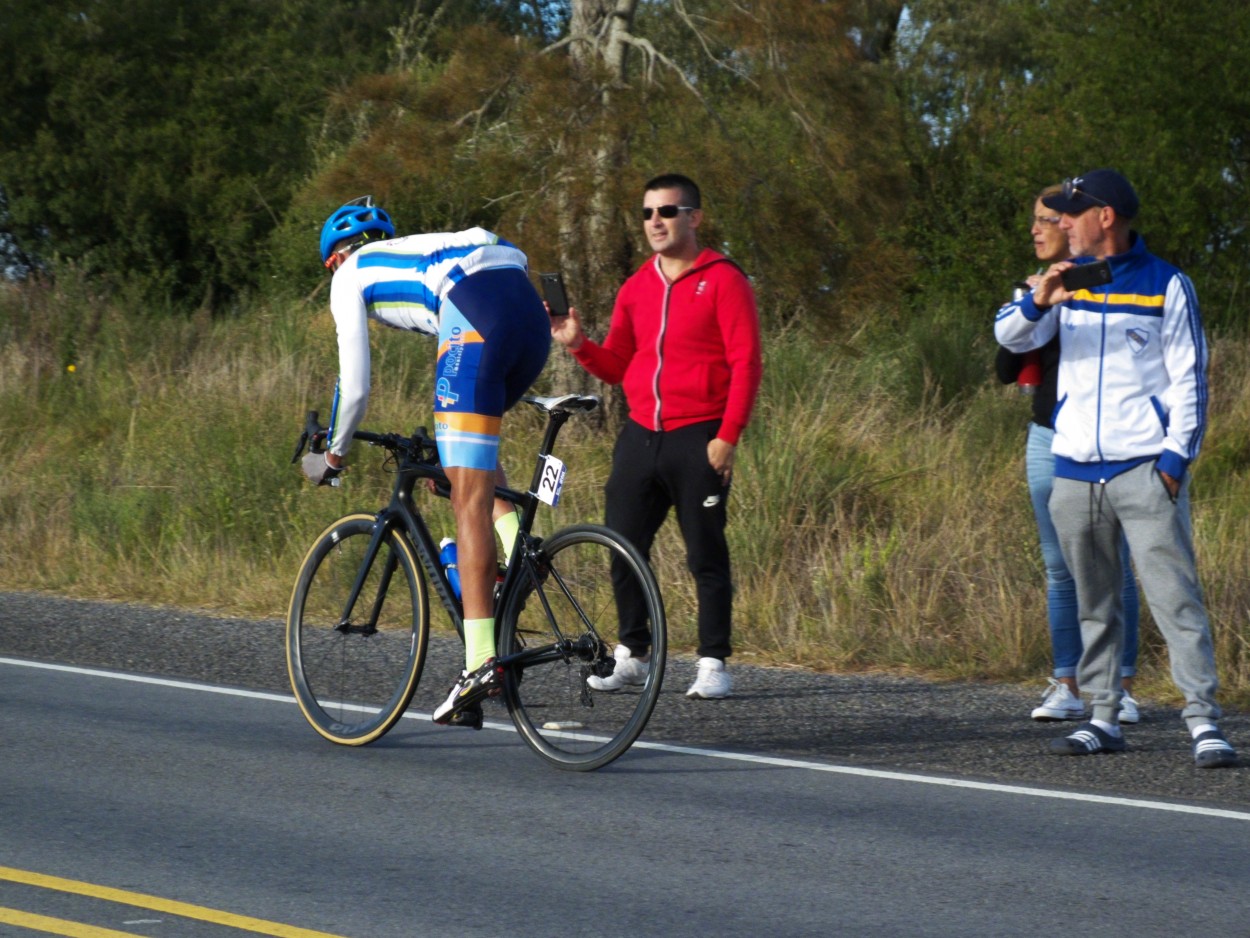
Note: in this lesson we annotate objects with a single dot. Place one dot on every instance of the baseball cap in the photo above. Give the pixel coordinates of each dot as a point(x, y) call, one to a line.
point(1097, 187)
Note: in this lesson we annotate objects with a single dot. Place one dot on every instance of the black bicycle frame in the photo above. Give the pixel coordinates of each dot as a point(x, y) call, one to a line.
point(401, 514)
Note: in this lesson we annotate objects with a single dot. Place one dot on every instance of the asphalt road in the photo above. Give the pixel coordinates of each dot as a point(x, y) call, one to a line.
point(976, 731)
point(204, 806)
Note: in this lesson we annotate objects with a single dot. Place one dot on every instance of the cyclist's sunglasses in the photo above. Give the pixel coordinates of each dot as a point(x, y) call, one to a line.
point(1071, 189)
point(666, 211)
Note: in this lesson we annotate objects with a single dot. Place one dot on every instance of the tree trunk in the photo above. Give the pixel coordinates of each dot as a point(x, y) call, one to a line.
point(595, 252)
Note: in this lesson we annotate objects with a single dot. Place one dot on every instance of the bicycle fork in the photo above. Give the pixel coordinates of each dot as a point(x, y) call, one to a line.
point(380, 529)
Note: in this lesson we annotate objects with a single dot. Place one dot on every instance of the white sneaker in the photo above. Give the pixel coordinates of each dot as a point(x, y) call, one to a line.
point(713, 681)
point(628, 671)
point(1060, 704)
point(1128, 709)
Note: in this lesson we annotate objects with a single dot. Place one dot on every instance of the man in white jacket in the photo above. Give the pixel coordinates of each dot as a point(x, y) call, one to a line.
point(1130, 418)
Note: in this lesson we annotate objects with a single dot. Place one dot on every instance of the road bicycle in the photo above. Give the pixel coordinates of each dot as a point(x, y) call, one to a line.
point(357, 628)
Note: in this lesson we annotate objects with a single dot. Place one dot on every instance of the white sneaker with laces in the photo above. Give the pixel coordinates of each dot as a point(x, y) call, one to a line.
point(712, 683)
point(1128, 709)
point(1060, 704)
point(629, 671)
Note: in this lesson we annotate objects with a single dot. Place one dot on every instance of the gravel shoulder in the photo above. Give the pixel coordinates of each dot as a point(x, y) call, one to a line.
point(977, 731)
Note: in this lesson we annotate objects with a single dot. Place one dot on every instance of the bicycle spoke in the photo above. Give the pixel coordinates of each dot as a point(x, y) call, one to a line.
point(354, 669)
point(566, 630)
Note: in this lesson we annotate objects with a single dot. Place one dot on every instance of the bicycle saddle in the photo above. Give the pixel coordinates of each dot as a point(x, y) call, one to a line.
point(565, 402)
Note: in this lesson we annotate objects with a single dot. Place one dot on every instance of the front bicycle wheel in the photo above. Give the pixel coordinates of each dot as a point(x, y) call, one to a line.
point(354, 665)
point(562, 619)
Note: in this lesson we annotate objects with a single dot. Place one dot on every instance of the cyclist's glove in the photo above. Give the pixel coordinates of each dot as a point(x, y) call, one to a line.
point(319, 471)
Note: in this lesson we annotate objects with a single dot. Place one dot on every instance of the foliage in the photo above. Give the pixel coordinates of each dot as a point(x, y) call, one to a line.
point(157, 142)
point(1011, 95)
point(787, 126)
point(864, 160)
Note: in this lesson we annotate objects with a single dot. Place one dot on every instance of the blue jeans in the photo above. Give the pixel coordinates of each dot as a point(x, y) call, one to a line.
point(1065, 624)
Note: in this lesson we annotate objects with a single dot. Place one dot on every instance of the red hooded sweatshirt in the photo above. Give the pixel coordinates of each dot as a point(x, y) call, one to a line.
point(685, 351)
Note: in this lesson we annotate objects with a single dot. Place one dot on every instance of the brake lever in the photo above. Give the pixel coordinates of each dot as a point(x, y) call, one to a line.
point(299, 447)
point(313, 433)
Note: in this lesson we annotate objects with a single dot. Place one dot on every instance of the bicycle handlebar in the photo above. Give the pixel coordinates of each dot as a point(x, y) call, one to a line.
point(419, 447)
point(419, 452)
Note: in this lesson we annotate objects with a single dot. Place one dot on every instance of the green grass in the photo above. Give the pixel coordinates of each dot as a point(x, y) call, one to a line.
point(879, 519)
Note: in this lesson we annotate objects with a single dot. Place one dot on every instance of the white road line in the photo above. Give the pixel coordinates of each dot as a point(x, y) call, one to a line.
point(775, 761)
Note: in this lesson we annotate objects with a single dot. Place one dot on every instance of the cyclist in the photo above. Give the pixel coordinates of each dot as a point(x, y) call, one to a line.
point(471, 289)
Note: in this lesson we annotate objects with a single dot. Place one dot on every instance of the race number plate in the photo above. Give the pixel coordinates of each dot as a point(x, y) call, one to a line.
point(552, 481)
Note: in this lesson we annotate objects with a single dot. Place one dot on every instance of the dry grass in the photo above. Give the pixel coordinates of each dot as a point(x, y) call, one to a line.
point(869, 530)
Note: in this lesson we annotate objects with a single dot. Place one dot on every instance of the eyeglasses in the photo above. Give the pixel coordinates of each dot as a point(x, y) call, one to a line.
point(1046, 221)
point(365, 201)
point(666, 211)
point(1070, 189)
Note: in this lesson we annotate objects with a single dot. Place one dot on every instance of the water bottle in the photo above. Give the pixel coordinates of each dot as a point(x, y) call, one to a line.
point(447, 556)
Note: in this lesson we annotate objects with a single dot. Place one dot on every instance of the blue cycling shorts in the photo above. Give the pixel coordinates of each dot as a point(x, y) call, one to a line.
point(493, 339)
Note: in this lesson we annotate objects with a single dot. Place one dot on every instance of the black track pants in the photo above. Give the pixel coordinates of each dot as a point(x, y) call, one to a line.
point(655, 471)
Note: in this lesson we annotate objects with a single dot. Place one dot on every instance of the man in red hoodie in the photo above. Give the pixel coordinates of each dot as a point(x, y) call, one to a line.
point(684, 344)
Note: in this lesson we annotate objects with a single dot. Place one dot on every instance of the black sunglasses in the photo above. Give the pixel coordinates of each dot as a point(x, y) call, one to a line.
point(666, 211)
point(1070, 189)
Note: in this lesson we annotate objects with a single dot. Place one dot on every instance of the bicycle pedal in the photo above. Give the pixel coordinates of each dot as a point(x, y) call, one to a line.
point(470, 717)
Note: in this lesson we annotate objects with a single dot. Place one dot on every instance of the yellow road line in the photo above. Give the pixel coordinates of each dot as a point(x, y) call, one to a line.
point(156, 903)
point(57, 926)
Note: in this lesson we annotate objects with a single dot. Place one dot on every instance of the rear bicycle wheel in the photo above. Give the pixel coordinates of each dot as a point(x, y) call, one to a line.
point(566, 624)
point(354, 670)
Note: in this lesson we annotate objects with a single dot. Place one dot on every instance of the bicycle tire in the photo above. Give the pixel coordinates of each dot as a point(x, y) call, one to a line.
point(353, 683)
point(555, 712)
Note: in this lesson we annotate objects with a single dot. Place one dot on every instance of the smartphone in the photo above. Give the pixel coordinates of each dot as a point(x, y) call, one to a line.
point(553, 293)
point(1083, 276)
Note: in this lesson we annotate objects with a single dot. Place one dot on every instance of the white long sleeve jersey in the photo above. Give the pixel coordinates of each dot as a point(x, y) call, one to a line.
point(401, 283)
point(1132, 368)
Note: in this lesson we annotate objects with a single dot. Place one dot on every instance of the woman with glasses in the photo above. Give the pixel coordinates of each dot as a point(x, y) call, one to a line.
point(1036, 372)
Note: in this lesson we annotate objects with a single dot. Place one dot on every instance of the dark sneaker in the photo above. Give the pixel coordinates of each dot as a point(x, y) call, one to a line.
point(1085, 740)
point(1212, 751)
point(471, 688)
point(469, 716)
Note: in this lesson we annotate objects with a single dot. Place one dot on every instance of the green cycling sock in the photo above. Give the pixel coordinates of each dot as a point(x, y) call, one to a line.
point(507, 528)
point(479, 642)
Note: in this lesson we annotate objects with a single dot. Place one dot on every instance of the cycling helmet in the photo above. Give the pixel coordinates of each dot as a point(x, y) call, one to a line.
point(359, 216)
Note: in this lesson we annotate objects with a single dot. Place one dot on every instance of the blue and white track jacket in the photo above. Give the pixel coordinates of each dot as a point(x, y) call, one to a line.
point(1132, 368)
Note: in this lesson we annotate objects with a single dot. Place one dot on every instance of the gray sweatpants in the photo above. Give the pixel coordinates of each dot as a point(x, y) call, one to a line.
point(1089, 518)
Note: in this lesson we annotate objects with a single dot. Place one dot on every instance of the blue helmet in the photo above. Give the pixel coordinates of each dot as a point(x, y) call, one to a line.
point(358, 216)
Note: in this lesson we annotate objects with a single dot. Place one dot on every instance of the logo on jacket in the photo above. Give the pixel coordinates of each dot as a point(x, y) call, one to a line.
point(711, 501)
point(1138, 339)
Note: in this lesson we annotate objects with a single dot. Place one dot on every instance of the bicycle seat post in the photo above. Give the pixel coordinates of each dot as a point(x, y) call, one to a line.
point(555, 420)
